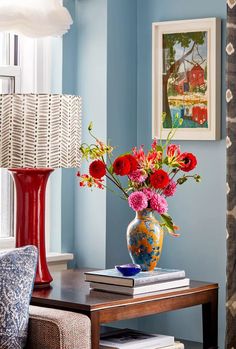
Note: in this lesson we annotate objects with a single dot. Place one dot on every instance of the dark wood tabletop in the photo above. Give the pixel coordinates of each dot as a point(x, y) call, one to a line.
point(70, 291)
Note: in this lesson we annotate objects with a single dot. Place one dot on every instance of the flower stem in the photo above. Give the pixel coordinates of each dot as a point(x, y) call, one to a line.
point(117, 184)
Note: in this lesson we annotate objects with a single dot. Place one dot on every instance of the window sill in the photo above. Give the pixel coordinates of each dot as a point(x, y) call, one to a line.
point(6, 243)
point(58, 261)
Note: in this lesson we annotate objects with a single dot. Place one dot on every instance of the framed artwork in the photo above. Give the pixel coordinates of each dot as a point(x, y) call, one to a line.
point(186, 71)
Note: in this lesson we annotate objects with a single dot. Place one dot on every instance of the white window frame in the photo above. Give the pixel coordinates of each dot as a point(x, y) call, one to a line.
point(15, 73)
point(12, 72)
point(39, 81)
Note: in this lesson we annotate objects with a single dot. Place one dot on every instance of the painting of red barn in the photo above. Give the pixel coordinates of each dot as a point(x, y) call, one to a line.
point(186, 90)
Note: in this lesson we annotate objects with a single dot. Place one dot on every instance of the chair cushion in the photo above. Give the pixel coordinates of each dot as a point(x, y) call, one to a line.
point(17, 272)
point(58, 329)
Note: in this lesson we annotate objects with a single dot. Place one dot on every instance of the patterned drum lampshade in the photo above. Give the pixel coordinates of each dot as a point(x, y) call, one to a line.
point(40, 130)
point(38, 133)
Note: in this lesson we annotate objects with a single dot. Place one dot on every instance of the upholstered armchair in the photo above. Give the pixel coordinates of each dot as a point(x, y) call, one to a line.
point(58, 329)
point(33, 327)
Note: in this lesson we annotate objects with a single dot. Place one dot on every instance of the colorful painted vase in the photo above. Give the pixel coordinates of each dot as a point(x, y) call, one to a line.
point(145, 239)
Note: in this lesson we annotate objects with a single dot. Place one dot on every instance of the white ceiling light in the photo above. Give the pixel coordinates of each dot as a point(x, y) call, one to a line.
point(34, 18)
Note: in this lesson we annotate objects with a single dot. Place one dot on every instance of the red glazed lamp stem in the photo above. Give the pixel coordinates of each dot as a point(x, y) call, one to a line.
point(30, 186)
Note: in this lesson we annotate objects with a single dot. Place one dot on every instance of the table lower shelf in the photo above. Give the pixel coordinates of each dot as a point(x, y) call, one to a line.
point(187, 344)
point(191, 345)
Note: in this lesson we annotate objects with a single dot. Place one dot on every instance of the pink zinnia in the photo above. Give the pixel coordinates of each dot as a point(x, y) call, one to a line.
point(138, 201)
point(170, 189)
point(138, 176)
point(159, 204)
point(149, 193)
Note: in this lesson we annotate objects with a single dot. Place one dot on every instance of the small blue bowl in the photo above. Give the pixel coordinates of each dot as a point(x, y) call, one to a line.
point(128, 269)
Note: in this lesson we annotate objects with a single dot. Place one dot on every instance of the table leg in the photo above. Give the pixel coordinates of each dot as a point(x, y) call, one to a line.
point(210, 322)
point(95, 330)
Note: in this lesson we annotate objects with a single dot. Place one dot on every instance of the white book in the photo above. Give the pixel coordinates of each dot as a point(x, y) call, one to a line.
point(176, 345)
point(132, 339)
point(140, 289)
point(114, 277)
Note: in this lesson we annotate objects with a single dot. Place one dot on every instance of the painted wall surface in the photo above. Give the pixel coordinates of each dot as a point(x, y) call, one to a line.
point(90, 74)
point(198, 209)
point(121, 113)
point(62, 180)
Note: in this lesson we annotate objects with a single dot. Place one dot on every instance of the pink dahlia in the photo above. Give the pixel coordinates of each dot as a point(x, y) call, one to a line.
point(170, 189)
point(159, 204)
point(138, 201)
point(138, 176)
point(149, 193)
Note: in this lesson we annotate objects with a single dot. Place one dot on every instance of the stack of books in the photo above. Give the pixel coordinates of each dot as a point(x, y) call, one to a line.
point(132, 339)
point(111, 280)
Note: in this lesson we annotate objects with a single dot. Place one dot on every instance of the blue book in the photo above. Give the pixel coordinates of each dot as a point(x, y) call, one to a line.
point(114, 277)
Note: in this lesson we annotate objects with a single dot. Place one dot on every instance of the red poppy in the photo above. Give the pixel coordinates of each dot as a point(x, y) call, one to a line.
point(159, 179)
point(187, 162)
point(97, 169)
point(122, 166)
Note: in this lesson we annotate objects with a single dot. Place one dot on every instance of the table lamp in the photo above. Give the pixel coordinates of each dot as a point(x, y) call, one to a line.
point(38, 133)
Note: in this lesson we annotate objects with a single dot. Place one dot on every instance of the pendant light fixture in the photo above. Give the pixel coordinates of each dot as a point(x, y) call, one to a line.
point(34, 18)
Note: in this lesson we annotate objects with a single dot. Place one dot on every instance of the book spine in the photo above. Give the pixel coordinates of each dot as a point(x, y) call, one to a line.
point(159, 278)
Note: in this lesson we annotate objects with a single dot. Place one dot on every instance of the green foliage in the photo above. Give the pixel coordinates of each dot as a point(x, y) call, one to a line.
point(182, 180)
point(183, 39)
point(172, 90)
point(168, 223)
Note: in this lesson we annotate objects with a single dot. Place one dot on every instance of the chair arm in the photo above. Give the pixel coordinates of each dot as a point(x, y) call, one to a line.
point(58, 329)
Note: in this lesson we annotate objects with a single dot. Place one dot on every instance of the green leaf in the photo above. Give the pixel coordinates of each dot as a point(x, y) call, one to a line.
point(182, 180)
point(168, 222)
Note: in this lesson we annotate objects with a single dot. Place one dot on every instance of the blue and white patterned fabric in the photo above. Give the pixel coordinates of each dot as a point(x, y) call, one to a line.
point(17, 272)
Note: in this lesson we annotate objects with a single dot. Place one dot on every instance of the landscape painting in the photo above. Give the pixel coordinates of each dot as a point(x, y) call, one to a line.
point(186, 70)
point(185, 79)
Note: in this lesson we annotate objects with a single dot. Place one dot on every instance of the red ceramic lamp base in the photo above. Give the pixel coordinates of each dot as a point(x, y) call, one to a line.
point(30, 187)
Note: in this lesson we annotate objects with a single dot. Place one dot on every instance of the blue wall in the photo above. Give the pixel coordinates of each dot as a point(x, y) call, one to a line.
point(110, 67)
point(90, 74)
point(198, 209)
point(121, 112)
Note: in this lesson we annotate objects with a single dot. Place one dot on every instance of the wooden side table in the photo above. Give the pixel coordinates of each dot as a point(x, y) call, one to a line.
point(70, 292)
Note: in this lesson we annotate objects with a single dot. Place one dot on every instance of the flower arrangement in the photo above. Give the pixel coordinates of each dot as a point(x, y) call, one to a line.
point(152, 176)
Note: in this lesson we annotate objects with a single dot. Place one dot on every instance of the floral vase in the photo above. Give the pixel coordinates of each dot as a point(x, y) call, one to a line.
point(145, 239)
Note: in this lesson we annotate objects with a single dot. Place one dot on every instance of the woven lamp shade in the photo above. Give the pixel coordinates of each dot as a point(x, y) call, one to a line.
point(40, 131)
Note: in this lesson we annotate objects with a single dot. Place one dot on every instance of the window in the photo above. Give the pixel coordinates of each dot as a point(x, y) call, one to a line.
point(9, 83)
point(25, 66)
